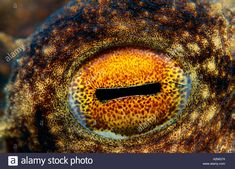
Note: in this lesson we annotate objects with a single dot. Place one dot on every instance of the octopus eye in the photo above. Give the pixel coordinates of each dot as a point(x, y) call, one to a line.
point(125, 76)
point(126, 92)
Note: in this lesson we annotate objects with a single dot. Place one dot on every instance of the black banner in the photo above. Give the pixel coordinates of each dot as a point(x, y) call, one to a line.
point(118, 161)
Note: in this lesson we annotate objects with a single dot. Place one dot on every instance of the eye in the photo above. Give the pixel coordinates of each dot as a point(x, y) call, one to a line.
point(136, 76)
point(128, 91)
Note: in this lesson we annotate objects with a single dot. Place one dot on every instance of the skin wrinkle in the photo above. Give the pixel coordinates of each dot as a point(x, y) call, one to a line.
point(38, 91)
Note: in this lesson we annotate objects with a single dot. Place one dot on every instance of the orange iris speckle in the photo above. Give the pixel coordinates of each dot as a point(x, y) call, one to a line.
point(123, 70)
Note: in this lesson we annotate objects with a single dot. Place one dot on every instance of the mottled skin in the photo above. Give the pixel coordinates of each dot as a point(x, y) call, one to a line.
point(196, 35)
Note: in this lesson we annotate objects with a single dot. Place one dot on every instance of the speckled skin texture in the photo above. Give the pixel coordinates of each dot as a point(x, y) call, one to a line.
point(195, 35)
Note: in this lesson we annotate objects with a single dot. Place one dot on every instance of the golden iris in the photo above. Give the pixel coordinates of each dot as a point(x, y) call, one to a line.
point(128, 91)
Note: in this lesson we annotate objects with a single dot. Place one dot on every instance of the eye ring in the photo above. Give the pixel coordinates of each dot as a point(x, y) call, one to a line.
point(127, 59)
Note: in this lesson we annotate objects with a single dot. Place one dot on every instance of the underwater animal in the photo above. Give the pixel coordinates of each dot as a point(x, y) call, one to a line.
point(125, 77)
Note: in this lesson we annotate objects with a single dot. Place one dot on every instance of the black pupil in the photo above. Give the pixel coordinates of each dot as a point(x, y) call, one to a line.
point(105, 94)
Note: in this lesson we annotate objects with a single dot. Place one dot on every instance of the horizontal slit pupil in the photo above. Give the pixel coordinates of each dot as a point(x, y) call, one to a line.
point(105, 94)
